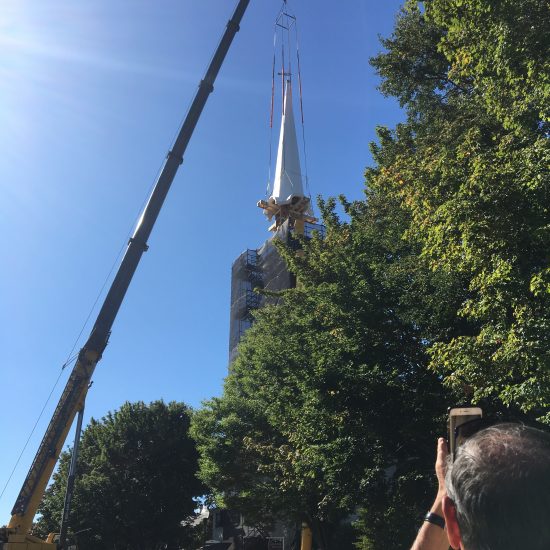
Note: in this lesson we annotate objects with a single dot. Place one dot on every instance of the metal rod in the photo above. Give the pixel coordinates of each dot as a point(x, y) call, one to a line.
point(69, 491)
point(138, 242)
point(75, 390)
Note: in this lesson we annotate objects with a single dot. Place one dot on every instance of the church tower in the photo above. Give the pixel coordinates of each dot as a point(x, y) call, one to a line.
point(287, 207)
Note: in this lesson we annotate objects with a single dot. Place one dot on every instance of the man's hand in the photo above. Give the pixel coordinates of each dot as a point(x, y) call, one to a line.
point(440, 471)
point(432, 537)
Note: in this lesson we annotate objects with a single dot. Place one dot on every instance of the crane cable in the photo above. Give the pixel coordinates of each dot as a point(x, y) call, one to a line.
point(271, 117)
point(302, 117)
point(282, 13)
point(71, 357)
point(32, 432)
point(277, 26)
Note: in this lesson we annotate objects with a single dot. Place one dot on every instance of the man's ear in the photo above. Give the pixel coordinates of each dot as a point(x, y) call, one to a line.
point(453, 531)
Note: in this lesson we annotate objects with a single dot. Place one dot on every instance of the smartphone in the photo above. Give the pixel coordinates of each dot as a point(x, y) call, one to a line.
point(457, 417)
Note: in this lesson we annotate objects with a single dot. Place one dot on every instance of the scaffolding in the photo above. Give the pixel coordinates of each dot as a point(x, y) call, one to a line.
point(256, 269)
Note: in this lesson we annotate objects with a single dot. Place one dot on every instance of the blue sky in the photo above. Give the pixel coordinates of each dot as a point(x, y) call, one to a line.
point(91, 95)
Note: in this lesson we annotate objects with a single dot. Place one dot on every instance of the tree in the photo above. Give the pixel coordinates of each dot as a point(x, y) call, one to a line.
point(501, 51)
point(470, 166)
point(329, 403)
point(440, 276)
point(136, 480)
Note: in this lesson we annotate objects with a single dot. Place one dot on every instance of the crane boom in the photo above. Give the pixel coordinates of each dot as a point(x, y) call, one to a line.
point(77, 385)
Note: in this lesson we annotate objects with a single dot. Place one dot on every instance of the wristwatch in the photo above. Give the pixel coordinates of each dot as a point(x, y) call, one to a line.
point(436, 519)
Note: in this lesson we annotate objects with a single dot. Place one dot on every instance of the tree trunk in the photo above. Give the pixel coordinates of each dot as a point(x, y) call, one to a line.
point(323, 534)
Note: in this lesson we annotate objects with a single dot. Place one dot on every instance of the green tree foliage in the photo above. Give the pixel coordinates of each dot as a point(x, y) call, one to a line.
point(329, 403)
point(136, 480)
point(501, 51)
point(439, 277)
point(470, 166)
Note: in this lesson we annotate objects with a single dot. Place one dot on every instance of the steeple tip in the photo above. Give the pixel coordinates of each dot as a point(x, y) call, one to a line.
point(287, 198)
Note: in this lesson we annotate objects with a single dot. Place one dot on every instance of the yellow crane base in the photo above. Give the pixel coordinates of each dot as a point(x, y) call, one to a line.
point(27, 542)
point(307, 537)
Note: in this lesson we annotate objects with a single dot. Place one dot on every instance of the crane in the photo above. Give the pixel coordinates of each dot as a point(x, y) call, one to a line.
point(16, 535)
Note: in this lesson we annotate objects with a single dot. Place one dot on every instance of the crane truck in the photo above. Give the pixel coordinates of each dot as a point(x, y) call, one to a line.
point(16, 535)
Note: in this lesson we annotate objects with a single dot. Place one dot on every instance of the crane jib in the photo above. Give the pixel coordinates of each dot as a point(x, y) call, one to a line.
point(78, 383)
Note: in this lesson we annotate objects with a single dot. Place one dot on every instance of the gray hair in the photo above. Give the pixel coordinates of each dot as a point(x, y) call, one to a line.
point(500, 485)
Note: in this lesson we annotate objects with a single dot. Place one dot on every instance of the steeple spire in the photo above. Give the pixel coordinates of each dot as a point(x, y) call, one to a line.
point(288, 175)
point(287, 200)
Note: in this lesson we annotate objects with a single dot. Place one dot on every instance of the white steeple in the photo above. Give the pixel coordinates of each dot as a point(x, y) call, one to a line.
point(288, 175)
point(287, 200)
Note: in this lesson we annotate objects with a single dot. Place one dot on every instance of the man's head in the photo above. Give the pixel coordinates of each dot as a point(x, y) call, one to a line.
point(498, 490)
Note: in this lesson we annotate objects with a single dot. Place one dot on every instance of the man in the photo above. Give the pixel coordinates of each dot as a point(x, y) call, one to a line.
point(495, 495)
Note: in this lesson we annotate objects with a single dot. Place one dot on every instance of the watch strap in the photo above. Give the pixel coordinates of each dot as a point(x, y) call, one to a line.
point(436, 519)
